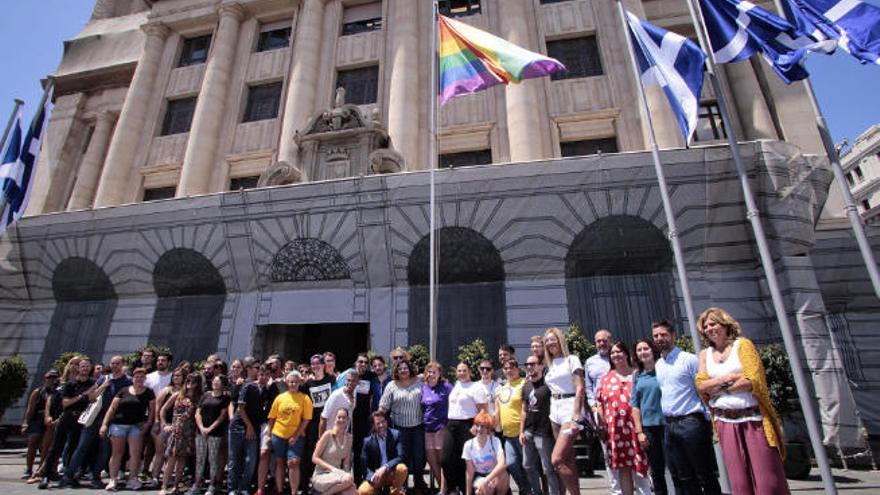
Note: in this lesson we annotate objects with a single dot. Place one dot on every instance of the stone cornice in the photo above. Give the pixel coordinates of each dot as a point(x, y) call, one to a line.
point(157, 29)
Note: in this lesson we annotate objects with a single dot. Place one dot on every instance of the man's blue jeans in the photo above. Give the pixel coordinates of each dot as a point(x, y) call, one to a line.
point(89, 442)
point(513, 455)
point(536, 457)
point(690, 456)
point(413, 442)
point(243, 457)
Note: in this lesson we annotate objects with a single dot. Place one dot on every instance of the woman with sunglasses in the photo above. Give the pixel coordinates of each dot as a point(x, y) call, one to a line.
point(565, 379)
point(486, 468)
point(466, 400)
point(402, 398)
point(623, 454)
point(181, 442)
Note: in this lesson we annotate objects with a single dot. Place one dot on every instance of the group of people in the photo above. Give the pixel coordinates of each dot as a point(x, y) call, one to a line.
point(371, 427)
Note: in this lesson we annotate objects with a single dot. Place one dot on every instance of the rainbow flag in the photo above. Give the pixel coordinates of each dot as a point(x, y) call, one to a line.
point(472, 60)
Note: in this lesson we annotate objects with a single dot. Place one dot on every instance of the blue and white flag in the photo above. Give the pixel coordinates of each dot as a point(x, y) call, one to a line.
point(674, 63)
point(17, 177)
point(854, 25)
point(739, 29)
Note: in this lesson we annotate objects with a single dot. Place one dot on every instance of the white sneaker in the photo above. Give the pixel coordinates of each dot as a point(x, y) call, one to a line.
point(134, 484)
point(111, 486)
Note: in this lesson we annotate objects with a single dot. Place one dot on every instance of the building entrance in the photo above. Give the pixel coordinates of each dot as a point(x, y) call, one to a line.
point(299, 342)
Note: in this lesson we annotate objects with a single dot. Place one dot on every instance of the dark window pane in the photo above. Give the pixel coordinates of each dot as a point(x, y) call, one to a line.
point(362, 26)
point(195, 50)
point(274, 39)
point(262, 102)
point(239, 183)
point(459, 8)
point(859, 172)
point(709, 125)
point(465, 158)
point(361, 85)
point(589, 147)
point(178, 116)
point(159, 193)
point(866, 205)
point(579, 55)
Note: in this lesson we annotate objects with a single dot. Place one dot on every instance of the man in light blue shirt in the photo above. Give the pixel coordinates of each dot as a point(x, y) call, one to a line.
point(688, 435)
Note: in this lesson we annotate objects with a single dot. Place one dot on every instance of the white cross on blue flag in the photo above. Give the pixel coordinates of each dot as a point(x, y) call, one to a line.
point(739, 29)
point(853, 24)
point(672, 62)
point(18, 169)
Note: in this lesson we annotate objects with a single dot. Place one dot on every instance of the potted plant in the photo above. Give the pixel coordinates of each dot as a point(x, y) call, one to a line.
point(13, 376)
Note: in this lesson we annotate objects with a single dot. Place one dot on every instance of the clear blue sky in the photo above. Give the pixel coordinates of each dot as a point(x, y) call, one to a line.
point(32, 32)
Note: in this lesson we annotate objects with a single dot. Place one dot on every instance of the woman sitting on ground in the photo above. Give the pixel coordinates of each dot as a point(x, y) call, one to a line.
point(332, 459)
point(486, 467)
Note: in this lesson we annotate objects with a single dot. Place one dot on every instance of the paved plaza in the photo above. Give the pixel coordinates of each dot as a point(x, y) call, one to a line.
point(855, 482)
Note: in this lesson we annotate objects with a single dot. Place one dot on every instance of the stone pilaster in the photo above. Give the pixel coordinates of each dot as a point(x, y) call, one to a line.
point(748, 98)
point(525, 131)
point(303, 80)
point(200, 158)
point(90, 169)
point(115, 186)
point(403, 94)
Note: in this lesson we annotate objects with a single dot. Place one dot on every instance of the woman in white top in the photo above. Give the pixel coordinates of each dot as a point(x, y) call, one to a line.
point(732, 381)
point(565, 379)
point(484, 455)
point(466, 400)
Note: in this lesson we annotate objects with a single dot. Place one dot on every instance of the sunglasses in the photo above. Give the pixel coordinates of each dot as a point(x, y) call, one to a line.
point(396, 357)
point(485, 368)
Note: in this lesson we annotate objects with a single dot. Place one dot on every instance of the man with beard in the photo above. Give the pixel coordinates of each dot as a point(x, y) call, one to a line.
point(341, 398)
point(535, 431)
point(688, 436)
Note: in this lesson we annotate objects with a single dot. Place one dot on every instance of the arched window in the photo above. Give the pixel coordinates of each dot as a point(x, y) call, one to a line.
point(470, 298)
point(618, 274)
point(303, 260)
point(85, 303)
point(190, 307)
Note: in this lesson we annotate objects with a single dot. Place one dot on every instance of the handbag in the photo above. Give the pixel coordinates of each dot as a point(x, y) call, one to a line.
point(88, 416)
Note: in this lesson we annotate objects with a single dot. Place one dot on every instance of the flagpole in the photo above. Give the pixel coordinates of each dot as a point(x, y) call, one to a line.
point(432, 251)
point(754, 216)
point(852, 211)
point(670, 218)
point(17, 104)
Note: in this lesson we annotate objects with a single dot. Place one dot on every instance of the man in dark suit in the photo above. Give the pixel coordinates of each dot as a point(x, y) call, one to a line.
point(382, 459)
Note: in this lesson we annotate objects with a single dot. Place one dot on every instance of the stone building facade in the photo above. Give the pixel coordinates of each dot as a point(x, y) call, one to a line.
point(296, 219)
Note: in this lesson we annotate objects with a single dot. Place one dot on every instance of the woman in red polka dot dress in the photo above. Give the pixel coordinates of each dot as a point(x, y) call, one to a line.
point(623, 451)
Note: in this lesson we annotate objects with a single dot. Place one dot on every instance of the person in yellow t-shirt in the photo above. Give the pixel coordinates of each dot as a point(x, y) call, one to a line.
point(508, 412)
point(288, 418)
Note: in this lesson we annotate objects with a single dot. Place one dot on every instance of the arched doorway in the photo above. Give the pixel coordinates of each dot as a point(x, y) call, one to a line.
point(190, 307)
point(470, 300)
point(618, 274)
point(85, 303)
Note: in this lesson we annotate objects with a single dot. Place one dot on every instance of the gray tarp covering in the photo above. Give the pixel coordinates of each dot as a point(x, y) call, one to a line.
point(532, 245)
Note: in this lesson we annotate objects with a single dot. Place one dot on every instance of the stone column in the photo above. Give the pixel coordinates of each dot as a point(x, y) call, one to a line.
point(748, 97)
point(90, 168)
point(200, 158)
point(303, 80)
point(524, 122)
point(115, 185)
point(403, 93)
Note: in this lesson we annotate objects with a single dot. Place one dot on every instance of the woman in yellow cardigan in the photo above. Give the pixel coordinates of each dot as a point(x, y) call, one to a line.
point(732, 382)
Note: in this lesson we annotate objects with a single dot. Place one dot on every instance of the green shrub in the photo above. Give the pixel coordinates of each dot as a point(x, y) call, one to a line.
point(780, 381)
point(14, 377)
point(471, 354)
point(62, 360)
point(685, 343)
point(419, 357)
point(133, 359)
point(578, 343)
